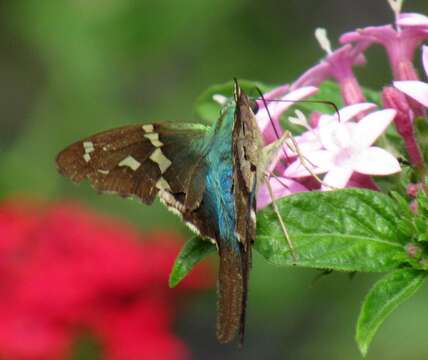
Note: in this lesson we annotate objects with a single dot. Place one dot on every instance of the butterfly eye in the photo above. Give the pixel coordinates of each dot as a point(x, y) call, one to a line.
point(254, 106)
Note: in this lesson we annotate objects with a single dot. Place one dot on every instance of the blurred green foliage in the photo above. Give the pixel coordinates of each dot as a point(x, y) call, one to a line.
point(74, 67)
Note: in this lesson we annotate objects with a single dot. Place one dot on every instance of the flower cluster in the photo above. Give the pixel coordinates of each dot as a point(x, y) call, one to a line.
point(65, 270)
point(341, 145)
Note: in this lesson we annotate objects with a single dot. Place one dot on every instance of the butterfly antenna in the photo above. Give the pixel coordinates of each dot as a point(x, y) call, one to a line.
point(325, 102)
point(271, 121)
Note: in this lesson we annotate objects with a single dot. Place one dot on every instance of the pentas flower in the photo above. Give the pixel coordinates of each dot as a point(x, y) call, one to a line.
point(417, 90)
point(268, 122)
point(393, 98)
point(346, 147)
point(273, 95)
point(281, 187)
point(311, 140)
point(64, 268)
point(400, 42)
point(268, 118)
point(337, 64)
point(412, 20)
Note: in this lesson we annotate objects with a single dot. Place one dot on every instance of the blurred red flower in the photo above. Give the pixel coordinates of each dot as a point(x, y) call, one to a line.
point(64, 268)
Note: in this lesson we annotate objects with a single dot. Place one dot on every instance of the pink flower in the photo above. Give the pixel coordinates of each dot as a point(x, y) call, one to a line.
point(276, 108)
point(400, 42)
point(311, 140)
point(346, 147)
point(394, 99)
point(268, 118)
point(138, 330)
point(338, 65)
point(412, 20)
point(417, 90)
point(64, 268)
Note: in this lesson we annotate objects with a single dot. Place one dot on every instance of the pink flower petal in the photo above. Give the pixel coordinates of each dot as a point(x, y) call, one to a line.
point(335, 136)
point(369, 128)
point(381, 34)
point(349, 112)
point(425, 58)
point(276, 109)
point(308, 142)
point(412, 19)
point(350, 36)
point(318, 162)
point(281, 187)
point(336, 64)
point(273, 94)
point(336, 178)
point(314, 76)
point(376, 161)
point(292, 97)
point(327, 120)
point(417, 90)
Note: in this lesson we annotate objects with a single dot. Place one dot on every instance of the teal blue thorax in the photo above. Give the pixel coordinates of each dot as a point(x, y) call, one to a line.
point(218, 198)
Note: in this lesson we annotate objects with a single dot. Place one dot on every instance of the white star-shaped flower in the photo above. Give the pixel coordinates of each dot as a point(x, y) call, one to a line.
point(345, 147)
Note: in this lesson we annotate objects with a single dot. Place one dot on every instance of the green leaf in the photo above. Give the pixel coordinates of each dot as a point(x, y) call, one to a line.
point(348, 230)
point(421, 129)
point(209, 110)
point(384, 297)
point(193, 251)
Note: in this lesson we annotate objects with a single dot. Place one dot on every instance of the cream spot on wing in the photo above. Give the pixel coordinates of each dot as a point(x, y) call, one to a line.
point(130, 162)
point(253, 215)
point(175, 211)
point(162, 184)
point(193, 228)
point(88, 146)
point(169, 200)
point(104, 172)
point(159, 158)
point(154, 139)
point(148, 128)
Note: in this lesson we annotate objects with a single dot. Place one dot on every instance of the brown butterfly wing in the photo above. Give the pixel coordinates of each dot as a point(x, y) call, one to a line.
point(136, 160)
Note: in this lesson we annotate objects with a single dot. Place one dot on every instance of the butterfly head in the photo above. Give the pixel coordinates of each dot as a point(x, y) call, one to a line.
point(239, 96)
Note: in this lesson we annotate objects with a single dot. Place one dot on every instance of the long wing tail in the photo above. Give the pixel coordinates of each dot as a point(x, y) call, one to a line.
point(232, 292)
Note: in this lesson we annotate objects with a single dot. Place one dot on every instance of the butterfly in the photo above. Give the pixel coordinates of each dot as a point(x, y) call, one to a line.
point(207, 175)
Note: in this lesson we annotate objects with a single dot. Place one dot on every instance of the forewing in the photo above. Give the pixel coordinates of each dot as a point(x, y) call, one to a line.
point(137, 160)
point(247, 146)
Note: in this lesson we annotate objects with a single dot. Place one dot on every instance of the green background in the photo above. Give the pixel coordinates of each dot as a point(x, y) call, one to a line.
point(72, 68)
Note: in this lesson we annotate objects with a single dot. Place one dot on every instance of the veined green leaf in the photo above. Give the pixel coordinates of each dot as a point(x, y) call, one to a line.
point(348, 230)
point(193, 251)
point(384, 297)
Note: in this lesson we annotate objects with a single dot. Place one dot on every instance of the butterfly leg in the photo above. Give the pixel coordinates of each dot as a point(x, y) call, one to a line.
point(306, 163)
point(281, 221)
